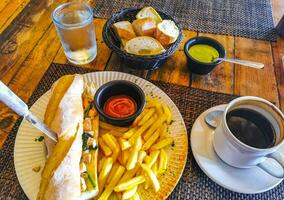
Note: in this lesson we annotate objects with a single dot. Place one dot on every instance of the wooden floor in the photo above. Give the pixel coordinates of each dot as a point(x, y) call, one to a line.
point(29, 44)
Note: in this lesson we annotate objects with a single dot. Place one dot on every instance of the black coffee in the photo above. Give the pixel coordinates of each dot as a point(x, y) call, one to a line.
point(251, 127)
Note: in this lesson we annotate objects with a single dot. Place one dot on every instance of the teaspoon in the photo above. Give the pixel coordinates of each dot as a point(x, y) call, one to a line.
point(213, 118)
point(247, 63)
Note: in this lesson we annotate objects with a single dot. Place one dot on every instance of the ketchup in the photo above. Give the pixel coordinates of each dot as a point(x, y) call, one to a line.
point(120, 106)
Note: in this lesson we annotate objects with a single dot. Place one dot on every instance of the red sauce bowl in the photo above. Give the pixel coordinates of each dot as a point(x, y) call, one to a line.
point(119, 88)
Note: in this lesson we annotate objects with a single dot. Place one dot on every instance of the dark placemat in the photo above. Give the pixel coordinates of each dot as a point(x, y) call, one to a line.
point(191, 102)
point(245, 18)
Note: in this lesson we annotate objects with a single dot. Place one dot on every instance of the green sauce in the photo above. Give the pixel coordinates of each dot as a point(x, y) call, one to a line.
point(203, 53)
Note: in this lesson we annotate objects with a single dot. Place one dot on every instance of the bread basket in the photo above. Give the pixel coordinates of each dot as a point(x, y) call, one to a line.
point(131, 60)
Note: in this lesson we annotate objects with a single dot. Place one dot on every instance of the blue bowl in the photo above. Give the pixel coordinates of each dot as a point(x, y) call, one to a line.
point(196, 66)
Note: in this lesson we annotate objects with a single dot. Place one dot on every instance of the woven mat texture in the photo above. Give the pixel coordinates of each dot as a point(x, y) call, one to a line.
point(191, 102)
point(245, 18)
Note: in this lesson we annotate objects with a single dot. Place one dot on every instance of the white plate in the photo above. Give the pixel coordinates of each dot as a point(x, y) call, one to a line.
point(29, 154)
point(249, 181)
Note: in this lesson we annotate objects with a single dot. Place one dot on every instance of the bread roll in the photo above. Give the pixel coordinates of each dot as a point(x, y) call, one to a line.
point(167, 32)
point(144, 27)
point(124, 30)
point(149, 12)
point(144, 45)
point(64, 114)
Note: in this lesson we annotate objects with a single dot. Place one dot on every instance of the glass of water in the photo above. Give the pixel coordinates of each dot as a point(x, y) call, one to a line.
point(74, 25)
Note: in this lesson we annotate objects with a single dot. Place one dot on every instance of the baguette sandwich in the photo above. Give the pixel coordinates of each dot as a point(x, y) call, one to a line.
point(63, 172)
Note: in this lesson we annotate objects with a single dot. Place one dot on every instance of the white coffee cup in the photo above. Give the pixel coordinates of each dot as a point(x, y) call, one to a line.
point(238, 154)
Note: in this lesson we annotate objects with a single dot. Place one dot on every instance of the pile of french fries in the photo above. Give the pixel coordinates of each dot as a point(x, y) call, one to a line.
point(135, 155)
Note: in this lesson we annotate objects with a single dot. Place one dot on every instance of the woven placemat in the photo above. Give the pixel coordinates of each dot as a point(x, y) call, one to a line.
point(245, 18)
point(191, 102)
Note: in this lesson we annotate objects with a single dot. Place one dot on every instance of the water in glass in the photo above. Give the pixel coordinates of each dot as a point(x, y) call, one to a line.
point(76, 31)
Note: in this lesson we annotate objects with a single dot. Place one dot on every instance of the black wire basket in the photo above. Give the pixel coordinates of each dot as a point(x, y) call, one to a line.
point(131, 60)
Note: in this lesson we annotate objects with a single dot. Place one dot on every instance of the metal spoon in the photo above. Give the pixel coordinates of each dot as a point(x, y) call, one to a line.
point(247, 63)
point(213, 118)
point(16, 104)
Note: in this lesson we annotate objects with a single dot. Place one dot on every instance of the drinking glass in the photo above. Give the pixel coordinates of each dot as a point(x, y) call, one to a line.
point(74, 25)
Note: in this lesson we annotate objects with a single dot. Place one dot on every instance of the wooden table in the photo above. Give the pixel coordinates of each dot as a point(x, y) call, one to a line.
point(29, 44)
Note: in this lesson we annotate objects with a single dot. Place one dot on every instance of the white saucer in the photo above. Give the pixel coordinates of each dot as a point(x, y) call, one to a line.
point(249, 181)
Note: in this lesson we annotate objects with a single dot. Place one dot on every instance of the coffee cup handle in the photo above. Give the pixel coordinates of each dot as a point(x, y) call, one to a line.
point(271, 170)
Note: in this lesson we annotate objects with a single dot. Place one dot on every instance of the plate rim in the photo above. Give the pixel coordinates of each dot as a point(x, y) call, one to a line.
point(85, 76)
point(194, 153)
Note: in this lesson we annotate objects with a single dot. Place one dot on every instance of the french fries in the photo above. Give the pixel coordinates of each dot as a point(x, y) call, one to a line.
point(152, 139)
point(161, 144)
point(152, 158)
point(110, 127)
point(141, 156)
point(155, 168)
point(100, 164)
point(168, 113)
point(153, 179)
point(135, 197)
point(106, 150)
point(113, 144)
point(129, 193)
point(104, 172)
point(142, 129)
point(134, 155)
point(129, 184)
point(146, 117)
point(124, 144)
point(109, 188)
point(112, 172)
point(153, 128)
point(129, 133)
point(163, 161)
point(129, 174)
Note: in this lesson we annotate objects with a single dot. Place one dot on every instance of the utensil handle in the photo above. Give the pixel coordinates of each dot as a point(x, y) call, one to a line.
point(12, 100)
point(270, 169)
point(245, 63)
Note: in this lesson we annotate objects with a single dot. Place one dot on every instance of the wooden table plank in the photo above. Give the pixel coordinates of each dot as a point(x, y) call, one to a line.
point(20, 38)
point(221, 79)
point(255, 82)
point(278, 51)
point(28, 76)
point(3, 4)
point(175, 70)
point(103, 51)
point(278, 55)
point(10, 12)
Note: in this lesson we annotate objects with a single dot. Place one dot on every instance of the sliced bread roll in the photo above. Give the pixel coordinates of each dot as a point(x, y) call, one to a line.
point(149, 12)
point(144, 45)
point(144, 27)
point(124, 30)
point(167, 32)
